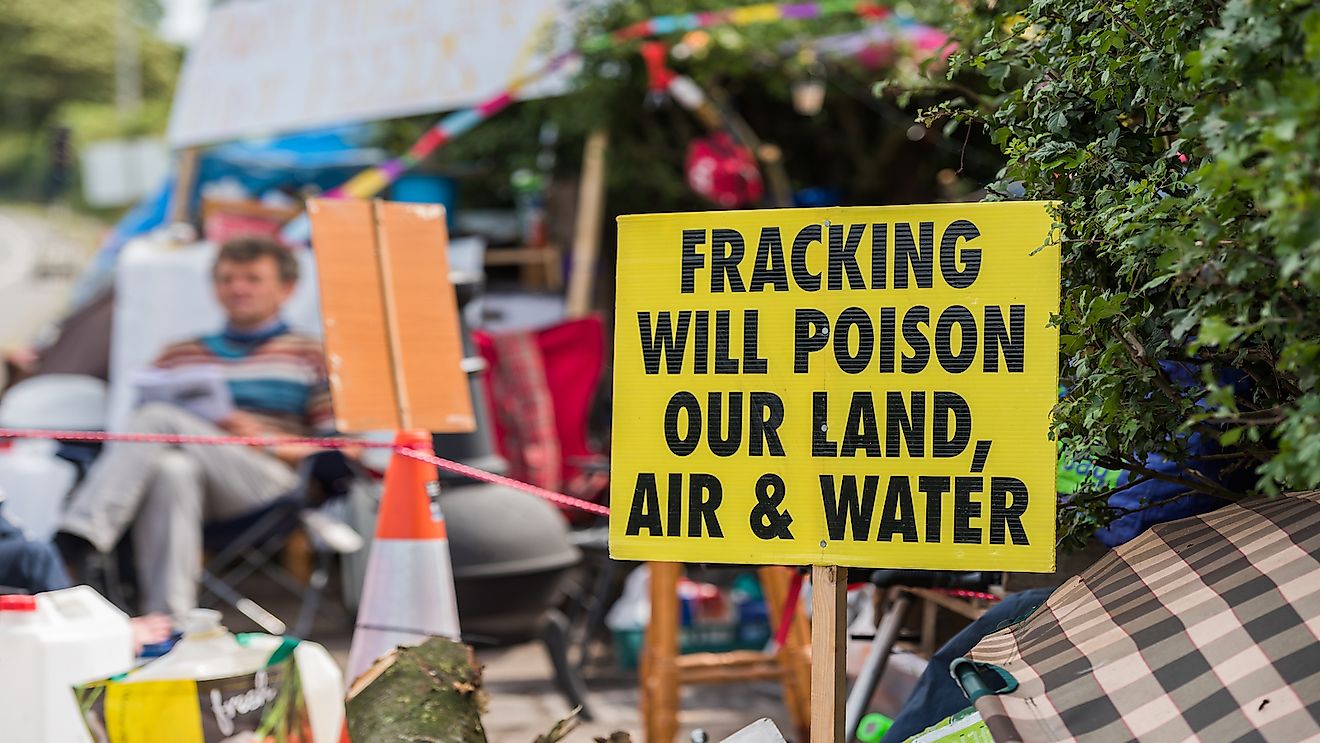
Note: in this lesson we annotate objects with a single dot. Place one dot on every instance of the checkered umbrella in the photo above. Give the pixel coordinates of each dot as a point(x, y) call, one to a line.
point(1202, 629)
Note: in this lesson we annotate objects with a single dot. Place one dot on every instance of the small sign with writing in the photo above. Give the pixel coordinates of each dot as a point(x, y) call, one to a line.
point(393, 342)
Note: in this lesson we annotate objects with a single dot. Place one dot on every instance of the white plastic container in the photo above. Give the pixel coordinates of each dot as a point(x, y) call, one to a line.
point(322, 682)
point(208, 651)
point(48, 644)
point(33, 486)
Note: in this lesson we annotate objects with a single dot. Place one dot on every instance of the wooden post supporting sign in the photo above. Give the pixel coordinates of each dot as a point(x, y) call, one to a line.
point(829, 649)
point(659, 661)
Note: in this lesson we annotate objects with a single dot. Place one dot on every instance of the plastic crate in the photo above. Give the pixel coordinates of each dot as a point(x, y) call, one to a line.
point(702, 638)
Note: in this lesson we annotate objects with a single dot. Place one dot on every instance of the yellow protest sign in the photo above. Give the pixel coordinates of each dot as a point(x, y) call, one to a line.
point(864, 386)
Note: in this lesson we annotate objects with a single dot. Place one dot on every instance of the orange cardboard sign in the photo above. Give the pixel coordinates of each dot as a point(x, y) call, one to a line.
point(392, 340)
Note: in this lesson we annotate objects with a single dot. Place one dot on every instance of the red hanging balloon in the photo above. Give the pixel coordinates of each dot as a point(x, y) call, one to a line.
point(720, 170)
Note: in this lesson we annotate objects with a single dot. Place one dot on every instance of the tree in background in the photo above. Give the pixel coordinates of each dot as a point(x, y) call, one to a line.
point(859, 149)
point(1179, 138)
point(57, 64)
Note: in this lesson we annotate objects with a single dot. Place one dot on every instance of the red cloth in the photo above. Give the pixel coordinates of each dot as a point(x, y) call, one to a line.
point(572, 356)
point(658, 75)
point(721, 170)
point(222, 226)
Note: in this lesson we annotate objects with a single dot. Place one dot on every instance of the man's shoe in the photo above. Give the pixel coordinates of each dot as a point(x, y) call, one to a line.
point(76, 553)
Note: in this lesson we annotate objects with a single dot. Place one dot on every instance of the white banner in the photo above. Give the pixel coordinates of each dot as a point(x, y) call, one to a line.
point(268, 66)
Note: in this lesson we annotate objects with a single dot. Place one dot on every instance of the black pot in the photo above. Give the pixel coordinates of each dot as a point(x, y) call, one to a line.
point(511, 556)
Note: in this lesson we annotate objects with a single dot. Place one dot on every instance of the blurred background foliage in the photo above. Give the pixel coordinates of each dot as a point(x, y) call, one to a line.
point(1178, 137)
point(867, 149)
point(58, 71)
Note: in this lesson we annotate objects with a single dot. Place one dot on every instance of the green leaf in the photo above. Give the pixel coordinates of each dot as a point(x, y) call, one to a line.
point(1216, 332)
point(1231, 436)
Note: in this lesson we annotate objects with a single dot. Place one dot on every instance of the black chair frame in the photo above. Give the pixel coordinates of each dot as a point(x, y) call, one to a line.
point(247, 545)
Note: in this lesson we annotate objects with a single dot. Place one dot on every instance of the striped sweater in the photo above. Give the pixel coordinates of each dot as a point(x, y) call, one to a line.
point(276, 375)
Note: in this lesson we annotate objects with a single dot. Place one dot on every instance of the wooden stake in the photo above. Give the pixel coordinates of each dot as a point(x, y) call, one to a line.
point(829, 647)
point(794, 657)
point(586, 231)
point(184, 177)
point(773, 159)
point(381, 249)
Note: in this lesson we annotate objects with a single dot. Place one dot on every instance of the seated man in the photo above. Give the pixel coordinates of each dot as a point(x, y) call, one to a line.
point(30, 567)
point(278, 383)
point(34, 567)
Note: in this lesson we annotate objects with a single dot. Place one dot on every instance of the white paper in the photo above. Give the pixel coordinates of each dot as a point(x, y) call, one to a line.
point(289, 65)
point(200, 389)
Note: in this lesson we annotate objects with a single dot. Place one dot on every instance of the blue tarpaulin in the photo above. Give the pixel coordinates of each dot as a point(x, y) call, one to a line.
point(323, 158)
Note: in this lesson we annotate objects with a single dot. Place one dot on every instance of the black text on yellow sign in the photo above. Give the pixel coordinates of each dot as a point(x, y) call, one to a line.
point(850, 386)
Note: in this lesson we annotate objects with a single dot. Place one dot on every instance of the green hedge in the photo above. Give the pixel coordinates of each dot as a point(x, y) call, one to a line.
point(1180, 138)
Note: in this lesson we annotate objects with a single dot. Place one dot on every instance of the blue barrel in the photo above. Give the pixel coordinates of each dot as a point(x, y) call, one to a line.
point(425, 188)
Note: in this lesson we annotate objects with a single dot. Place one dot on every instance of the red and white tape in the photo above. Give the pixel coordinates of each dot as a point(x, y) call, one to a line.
point(448, 465)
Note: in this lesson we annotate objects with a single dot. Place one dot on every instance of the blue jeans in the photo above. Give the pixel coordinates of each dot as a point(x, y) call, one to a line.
point(30, 566)
point(936, 695)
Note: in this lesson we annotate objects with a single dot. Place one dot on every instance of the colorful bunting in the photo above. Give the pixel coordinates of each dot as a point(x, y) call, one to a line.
point(376, 179)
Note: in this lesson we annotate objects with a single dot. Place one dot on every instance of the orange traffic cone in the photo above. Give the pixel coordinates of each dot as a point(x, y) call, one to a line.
point(408, 592)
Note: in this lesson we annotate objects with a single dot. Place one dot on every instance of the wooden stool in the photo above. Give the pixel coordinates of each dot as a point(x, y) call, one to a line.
point(664, 671)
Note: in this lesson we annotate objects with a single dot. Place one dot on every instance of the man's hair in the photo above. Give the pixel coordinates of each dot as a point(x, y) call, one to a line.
point(249, 248)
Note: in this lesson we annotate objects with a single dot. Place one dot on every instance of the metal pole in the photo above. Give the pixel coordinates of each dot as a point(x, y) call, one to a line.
point(128, 62)
point(874, 667)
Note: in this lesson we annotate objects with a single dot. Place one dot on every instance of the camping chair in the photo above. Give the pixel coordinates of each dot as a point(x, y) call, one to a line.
point(540, 389)
point(248, 544)
point(546, 389)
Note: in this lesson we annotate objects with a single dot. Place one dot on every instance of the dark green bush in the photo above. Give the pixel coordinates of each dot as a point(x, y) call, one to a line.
point(1182, 141)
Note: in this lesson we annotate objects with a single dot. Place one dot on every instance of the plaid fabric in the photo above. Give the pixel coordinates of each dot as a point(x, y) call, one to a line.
point(522, 403)
point(1203, 629)
point(541, 388)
